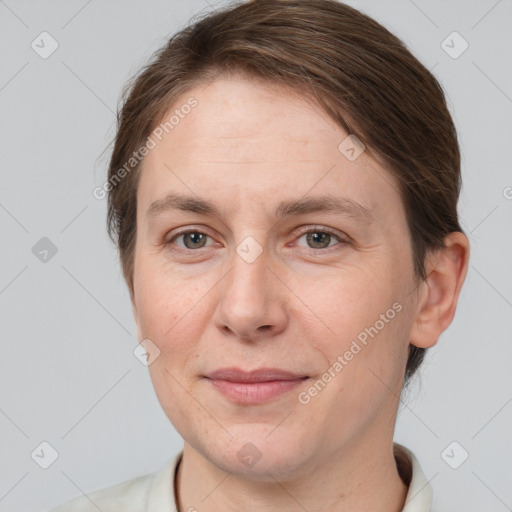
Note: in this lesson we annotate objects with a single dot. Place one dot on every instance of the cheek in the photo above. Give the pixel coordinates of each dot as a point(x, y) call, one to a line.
point(360, 317)
point(163, 297)
point(174, 313)
point(348, 300)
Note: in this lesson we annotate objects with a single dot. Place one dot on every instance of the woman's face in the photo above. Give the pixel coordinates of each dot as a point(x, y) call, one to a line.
point(270, 277)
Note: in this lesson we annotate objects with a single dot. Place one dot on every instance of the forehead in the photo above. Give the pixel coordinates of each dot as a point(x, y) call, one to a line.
point(248, 115)
point(255, 141)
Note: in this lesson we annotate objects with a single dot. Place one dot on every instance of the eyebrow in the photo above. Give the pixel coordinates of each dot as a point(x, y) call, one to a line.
point(324, 203)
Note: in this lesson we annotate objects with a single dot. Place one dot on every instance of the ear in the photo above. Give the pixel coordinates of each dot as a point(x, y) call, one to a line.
point(439, 292)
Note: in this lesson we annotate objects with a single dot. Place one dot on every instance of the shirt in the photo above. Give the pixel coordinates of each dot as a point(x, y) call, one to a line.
point(155, 492)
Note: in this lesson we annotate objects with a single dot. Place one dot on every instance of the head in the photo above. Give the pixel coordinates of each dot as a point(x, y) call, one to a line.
point(283, 193)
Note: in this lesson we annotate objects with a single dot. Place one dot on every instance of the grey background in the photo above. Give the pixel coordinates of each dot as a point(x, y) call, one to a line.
point(67, 372)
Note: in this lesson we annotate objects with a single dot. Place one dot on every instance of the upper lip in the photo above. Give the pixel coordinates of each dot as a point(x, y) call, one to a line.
point(258, 375)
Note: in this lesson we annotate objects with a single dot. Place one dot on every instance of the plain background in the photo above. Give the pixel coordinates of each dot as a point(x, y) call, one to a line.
point(68, 375)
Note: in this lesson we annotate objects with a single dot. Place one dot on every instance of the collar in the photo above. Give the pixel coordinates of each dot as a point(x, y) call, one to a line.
point(419, 495)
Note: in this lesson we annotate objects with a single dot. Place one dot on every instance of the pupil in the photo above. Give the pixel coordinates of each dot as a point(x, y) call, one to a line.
point(195, 237)
point(317, 238)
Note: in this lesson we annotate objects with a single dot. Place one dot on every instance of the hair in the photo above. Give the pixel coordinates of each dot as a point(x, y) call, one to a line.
point(361, 75)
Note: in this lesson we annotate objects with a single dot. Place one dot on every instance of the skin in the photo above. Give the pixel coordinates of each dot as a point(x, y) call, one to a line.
point(246, 146)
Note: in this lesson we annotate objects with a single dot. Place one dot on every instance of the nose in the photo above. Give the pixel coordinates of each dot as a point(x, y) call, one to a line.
point(252, 300)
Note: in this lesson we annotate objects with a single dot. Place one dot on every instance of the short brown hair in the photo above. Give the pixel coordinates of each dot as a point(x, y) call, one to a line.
point(363, 76)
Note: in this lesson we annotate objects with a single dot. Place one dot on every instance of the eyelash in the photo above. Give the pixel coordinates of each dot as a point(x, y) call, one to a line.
point(341, 241)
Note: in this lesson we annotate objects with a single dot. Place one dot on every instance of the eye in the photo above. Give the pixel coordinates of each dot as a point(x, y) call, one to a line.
point(192, 239)
point(316, 239)
point(321, 238)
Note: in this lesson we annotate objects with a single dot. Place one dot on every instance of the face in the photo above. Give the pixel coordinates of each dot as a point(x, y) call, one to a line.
point(287, 257)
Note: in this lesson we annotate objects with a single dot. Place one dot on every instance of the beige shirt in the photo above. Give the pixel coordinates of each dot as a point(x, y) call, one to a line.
point(155, 492)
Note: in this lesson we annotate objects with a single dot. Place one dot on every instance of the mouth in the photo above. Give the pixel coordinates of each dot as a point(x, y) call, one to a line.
point(256, 386)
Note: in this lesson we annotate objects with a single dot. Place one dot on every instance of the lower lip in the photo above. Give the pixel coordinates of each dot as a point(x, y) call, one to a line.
point(254, 392)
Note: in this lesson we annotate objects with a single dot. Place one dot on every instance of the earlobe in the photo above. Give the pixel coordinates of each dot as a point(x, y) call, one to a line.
point(446, 271)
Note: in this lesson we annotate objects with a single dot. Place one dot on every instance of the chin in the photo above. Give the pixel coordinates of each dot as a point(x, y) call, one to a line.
point(257, 452)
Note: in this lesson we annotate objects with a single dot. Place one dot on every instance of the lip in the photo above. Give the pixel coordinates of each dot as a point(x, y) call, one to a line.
point(256, 386)
point(258, 375)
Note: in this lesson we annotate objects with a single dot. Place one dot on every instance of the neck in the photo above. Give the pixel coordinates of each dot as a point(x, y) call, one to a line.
point(364, 477)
